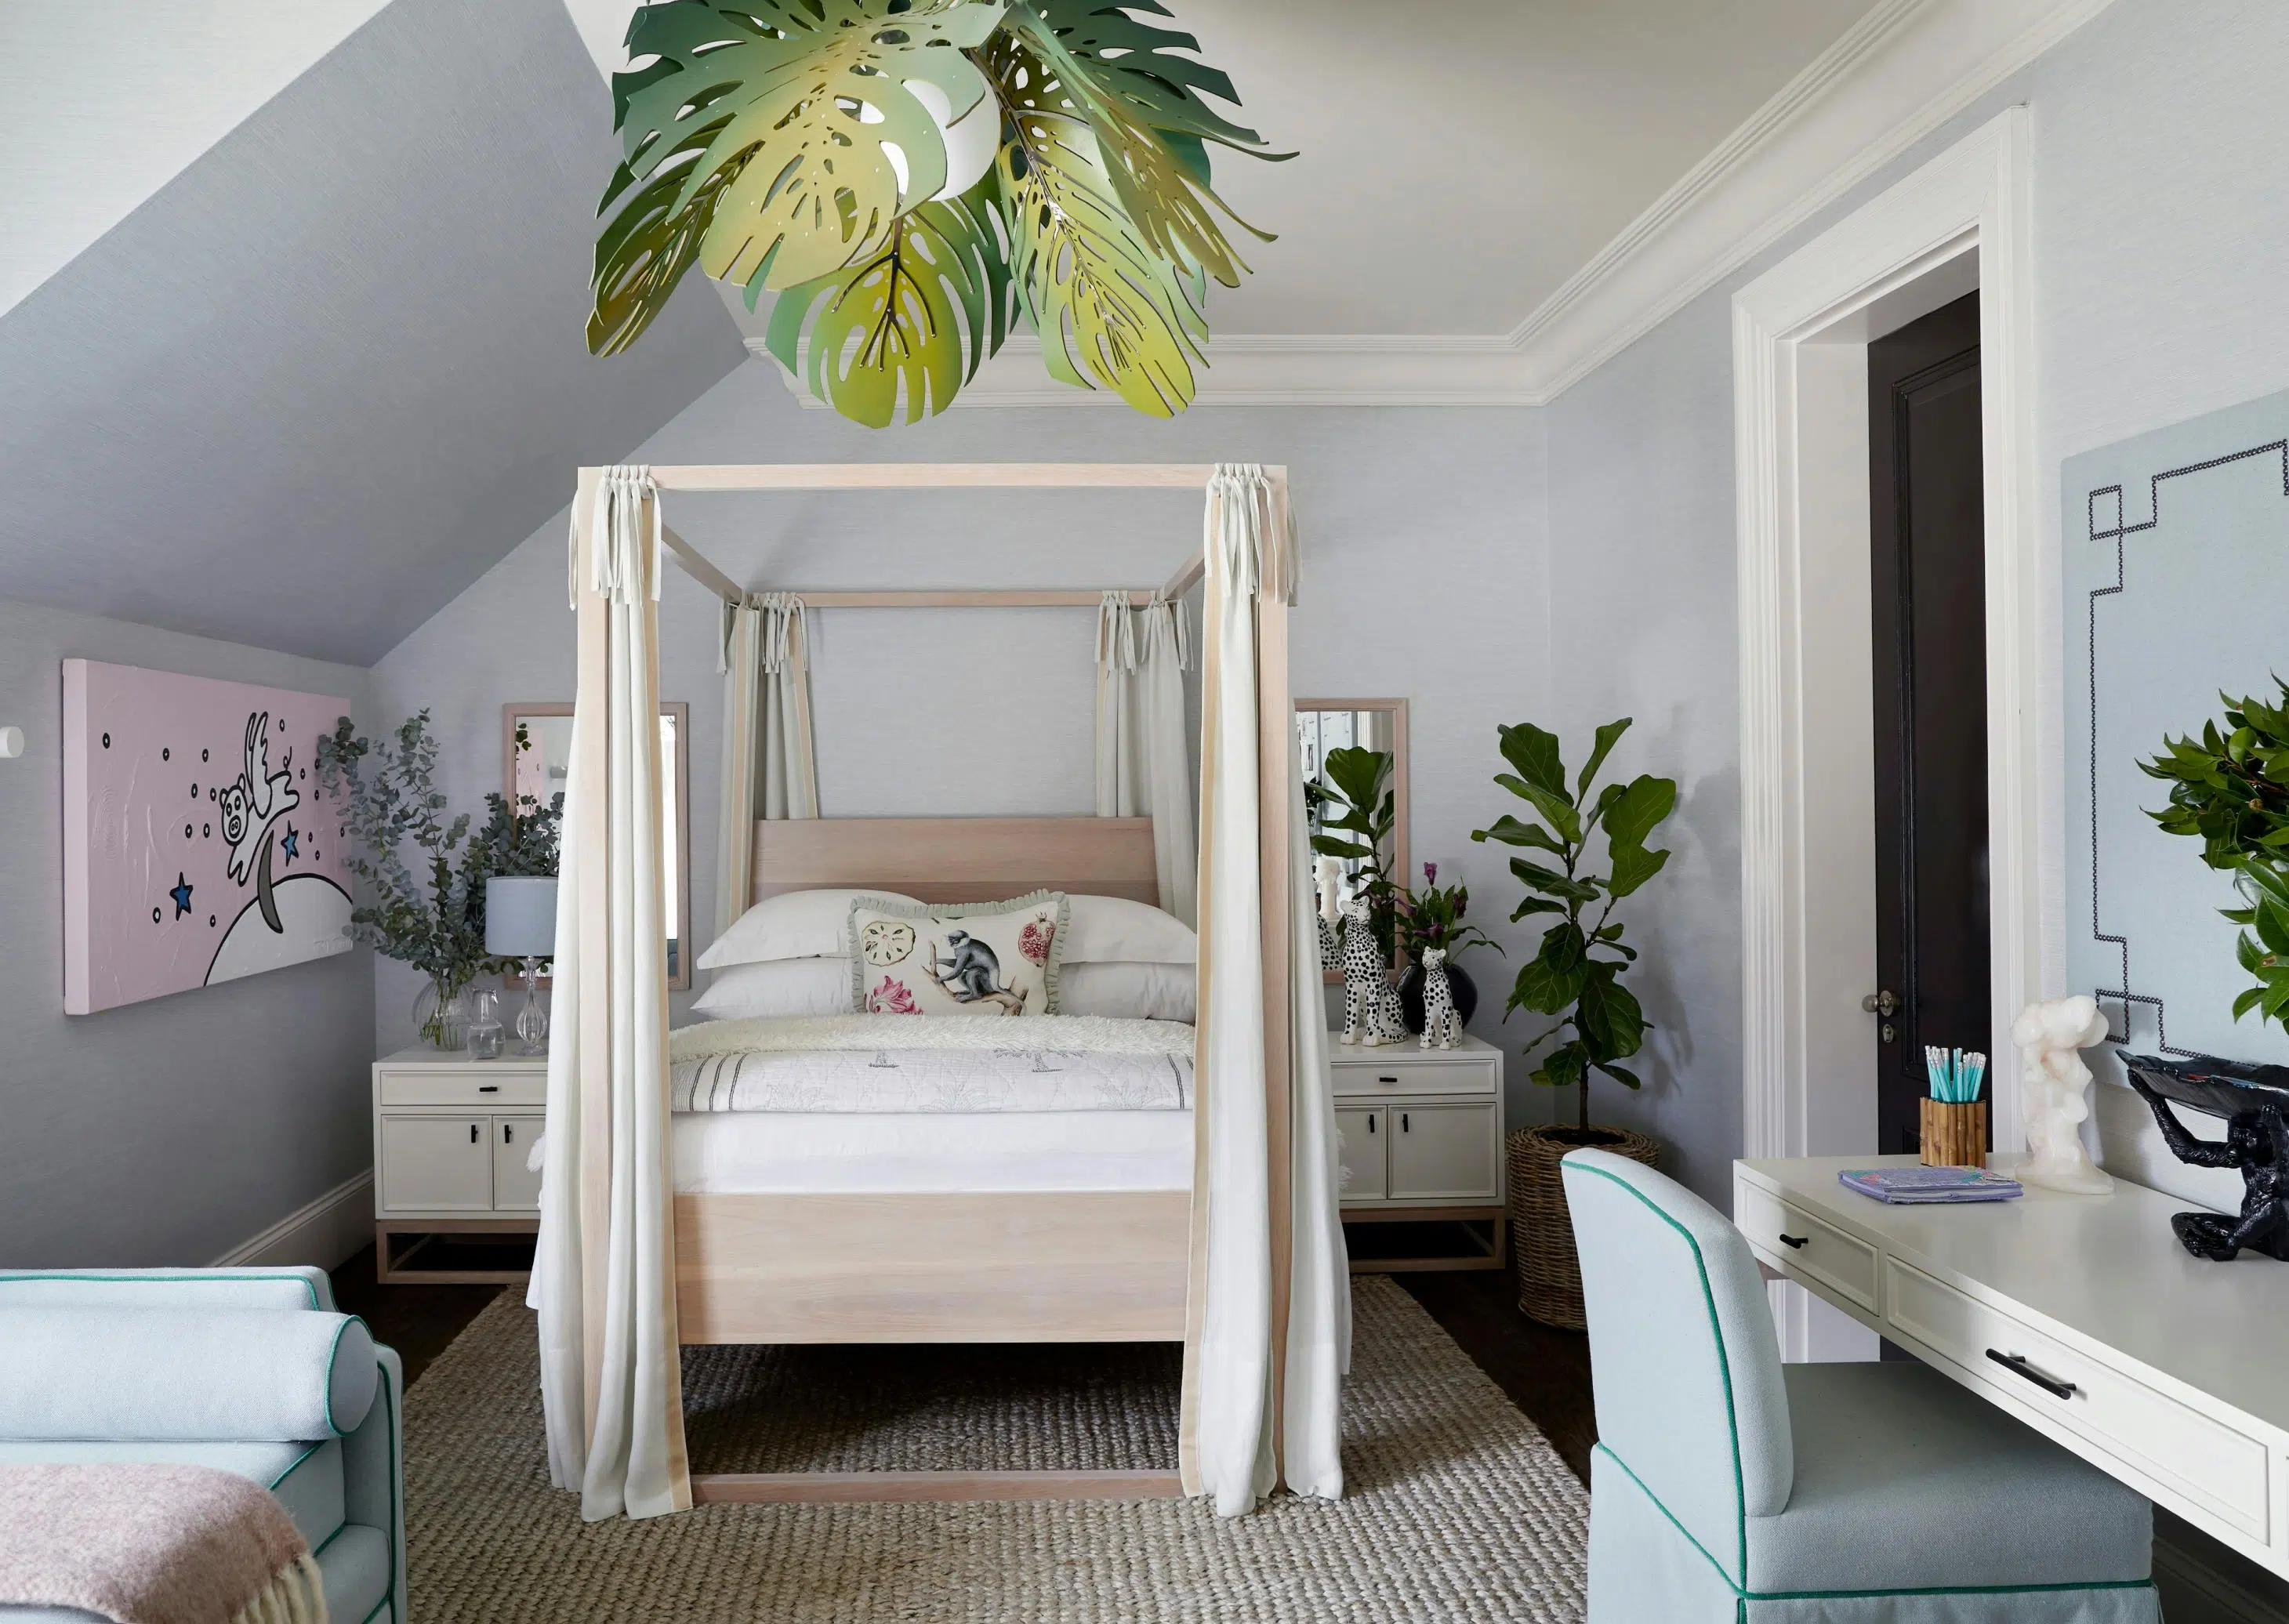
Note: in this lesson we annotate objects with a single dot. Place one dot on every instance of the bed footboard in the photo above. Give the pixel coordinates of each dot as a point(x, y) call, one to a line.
point(1016, 1267)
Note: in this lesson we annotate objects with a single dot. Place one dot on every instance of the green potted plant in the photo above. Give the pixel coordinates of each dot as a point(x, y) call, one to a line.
point(1428, 917)
point(1575, 977)
point(1355, 812)
point(2229, 790)
point(424, 877)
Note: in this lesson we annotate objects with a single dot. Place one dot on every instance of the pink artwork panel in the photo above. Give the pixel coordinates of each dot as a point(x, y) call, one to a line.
point(197, 846)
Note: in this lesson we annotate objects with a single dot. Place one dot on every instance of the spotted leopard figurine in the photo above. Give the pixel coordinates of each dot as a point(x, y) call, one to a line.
point(1443, 1027)
point(1371, 1016)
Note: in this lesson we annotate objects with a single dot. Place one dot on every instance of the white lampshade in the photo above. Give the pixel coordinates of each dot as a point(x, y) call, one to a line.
point(521, 916)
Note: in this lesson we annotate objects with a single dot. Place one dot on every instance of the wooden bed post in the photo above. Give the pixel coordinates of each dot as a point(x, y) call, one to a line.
point(592, 656)
point(1275, 728)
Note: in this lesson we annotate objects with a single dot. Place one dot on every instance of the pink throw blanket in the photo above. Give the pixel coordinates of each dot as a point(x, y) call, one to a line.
point(153, 1545)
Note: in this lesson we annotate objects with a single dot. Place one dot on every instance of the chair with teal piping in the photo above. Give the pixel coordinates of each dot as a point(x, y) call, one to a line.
point(1729, 1488)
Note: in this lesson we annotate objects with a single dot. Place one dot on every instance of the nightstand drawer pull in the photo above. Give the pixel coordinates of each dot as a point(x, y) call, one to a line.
point(1370, 1123)
point(2017, 1365)
point(488, 1087)
point(473, 1132)
point(1386, 1079)
point(1795, 1242)
point(1403, 1127)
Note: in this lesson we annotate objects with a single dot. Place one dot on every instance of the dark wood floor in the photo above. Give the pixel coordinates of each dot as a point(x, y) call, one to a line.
point(1545, 1372)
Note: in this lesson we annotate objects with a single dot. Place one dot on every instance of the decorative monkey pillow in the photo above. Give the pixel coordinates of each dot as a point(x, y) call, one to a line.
point(960, 959)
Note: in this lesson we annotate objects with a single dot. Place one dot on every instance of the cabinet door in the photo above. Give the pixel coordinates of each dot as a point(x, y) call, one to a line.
point(515, 1188)
point(436, 1164)
point(1443, 1151)
point(1364, 1135)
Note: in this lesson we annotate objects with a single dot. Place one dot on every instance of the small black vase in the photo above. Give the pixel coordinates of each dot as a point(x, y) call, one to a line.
point(1410, 995)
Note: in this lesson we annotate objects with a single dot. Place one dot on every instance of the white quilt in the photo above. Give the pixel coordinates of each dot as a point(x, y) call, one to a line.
point(907, 1063)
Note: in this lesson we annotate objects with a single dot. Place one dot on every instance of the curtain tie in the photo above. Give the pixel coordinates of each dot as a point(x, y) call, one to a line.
point(624, 560)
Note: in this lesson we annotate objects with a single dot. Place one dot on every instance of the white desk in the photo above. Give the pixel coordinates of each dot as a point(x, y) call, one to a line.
point(2179, 1368)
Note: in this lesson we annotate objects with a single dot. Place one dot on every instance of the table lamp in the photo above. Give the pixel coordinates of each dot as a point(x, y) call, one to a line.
point(521, 923)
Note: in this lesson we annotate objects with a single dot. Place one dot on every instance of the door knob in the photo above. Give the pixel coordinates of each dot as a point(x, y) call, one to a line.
point(1881, 1003)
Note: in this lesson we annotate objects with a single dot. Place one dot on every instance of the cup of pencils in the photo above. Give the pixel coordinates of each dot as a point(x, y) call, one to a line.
point(1954, 1116)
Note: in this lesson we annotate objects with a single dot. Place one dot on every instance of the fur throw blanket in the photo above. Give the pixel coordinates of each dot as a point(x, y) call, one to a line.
point(144, 1544)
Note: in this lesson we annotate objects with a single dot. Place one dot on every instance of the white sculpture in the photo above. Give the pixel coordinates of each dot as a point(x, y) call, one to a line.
point(1327, 884)
point(1371, 1012)
point(1442, 1028)
point(2054, 1088)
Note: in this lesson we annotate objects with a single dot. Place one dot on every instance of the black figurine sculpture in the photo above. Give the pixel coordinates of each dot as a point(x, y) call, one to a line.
point(2252, 1099)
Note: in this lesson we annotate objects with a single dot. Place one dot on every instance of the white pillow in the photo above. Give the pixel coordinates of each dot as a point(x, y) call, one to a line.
point(791, 925)
point(778, 987)
point(1130, 991)
point(1098, 928)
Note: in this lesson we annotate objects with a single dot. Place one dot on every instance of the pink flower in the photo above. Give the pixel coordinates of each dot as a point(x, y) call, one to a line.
point(1429, 873)
point(891, 997)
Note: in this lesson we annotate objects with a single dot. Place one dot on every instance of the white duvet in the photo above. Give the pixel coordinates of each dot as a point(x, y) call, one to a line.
point(879, 1064)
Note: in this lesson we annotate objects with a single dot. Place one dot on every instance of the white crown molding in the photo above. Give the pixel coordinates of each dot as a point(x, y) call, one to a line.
point(1897, 75)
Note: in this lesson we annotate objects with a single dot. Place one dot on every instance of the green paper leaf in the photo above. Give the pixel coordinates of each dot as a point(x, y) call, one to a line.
point(773, 118)
point(922, 312)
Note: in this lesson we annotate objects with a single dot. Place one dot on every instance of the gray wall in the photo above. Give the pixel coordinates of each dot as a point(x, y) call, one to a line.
point(1426, 575)
point(166, 1132)
point(2161, 224)
point(1568, 565)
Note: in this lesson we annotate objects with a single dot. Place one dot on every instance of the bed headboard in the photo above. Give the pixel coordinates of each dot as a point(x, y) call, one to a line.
point(959, 859)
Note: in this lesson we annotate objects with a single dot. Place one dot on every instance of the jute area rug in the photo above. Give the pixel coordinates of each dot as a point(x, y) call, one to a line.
point(1454, 1507)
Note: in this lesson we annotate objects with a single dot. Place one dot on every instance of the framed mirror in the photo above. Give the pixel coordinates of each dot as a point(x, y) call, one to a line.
point(1324, 728)
point(537, 766)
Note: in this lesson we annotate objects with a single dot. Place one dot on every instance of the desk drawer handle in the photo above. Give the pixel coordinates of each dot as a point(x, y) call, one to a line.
point(1796, 1243)
point(2018, 1366)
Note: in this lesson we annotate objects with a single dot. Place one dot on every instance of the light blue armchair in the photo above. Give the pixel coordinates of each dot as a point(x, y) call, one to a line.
point(1728, 1488)
point(250, 1370)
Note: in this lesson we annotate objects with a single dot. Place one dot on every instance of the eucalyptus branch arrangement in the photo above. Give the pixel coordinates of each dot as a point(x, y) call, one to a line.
point(1598, 1018)
point(2229, 790)
point(1357, 811)
point(423, 873)
point(908, 177)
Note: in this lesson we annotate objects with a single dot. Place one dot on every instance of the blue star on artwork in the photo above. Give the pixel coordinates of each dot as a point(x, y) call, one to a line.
point(293, 835)
point(181, 893)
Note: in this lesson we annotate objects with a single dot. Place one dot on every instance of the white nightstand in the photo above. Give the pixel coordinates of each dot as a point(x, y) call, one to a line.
point(451, 1137)
point(1421, 1141)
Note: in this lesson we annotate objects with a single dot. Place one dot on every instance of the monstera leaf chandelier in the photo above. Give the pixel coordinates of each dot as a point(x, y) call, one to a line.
point(906, 176)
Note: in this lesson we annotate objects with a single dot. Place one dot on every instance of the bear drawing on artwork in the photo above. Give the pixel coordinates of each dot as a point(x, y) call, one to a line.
point(970, 974)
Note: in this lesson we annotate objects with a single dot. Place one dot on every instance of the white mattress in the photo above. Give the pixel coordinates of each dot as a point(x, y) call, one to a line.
point(793, 1153)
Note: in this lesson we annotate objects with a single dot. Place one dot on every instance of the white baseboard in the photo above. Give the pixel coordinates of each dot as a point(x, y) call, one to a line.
point(328, 1232)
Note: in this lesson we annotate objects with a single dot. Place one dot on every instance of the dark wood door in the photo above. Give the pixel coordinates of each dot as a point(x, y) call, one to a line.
point(1930, 703)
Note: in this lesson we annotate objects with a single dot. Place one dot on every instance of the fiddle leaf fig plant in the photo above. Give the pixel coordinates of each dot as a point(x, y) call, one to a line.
point(1357, 812)
point(2229, 790)
point(1576, 975)
point(905, 176)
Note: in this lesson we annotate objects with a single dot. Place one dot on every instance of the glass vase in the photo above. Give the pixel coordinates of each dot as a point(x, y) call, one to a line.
point(441, 1013)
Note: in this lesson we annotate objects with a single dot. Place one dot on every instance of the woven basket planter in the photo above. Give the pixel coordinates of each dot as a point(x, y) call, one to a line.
point(1541, 1230)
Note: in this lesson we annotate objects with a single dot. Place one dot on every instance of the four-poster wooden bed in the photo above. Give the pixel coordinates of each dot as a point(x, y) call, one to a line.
point(1020, 1265)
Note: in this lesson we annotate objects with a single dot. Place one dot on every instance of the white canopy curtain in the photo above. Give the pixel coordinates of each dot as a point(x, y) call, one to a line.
point(1144, 768)
point(605, 1270)
point(771, 762)
point(1263, 1377)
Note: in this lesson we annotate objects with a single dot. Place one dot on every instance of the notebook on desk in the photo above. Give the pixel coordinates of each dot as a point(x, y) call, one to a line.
point(1929, 1186)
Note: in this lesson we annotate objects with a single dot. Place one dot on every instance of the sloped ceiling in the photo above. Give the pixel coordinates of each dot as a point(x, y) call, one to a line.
point(333, 371)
